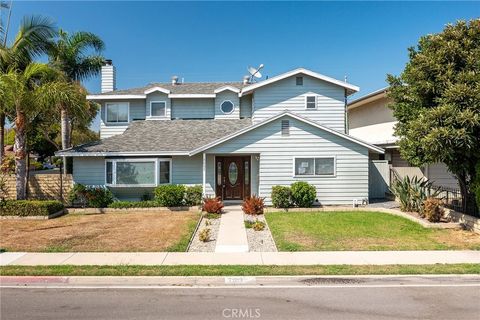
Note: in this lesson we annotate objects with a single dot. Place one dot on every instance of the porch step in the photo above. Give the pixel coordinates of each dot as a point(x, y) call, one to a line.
point(232, 236)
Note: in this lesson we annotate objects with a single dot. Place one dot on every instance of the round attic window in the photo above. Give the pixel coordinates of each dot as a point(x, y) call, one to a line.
point(227, 106)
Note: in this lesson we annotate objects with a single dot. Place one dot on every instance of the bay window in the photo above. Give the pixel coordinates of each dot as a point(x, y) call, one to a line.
point(137, 172)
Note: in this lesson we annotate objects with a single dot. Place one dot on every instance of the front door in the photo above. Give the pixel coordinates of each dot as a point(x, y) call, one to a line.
point(233, 177)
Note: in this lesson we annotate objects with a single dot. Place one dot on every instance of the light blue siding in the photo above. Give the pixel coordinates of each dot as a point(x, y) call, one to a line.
point(223, 96)
point(275, 166)
point(187, 170)
point(286, 95)
point(89, 170)
point(193, 108)
point(246, 106)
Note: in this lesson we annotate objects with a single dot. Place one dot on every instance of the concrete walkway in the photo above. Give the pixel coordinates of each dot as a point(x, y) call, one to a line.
point(232, 236)
point(241, 258)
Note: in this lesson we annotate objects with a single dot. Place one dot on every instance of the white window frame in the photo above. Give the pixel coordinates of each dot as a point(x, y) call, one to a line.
point(233, 109)
point(156, 161)
point(315, 175)
point(159, 101)
point(306, 103)
point(114, 103)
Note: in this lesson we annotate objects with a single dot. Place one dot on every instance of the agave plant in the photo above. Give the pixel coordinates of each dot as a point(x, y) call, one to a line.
point(412, 192)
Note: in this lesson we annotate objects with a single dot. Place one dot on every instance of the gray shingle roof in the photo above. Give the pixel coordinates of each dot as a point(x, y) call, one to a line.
point(182, 88)
point(165, 136)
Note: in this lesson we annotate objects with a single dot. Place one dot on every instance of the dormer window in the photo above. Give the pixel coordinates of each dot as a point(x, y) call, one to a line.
point(311, 102)
point(227, 106)
point(158, 108)
point(299, 81)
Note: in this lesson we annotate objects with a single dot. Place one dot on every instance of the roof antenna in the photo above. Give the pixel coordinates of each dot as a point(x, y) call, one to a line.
point(255, 73)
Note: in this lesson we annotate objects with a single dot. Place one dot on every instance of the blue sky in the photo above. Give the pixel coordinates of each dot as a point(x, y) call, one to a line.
point(216, 41)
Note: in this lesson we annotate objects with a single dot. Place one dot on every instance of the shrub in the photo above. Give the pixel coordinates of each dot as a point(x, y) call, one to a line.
point(204, 235)
point(281, 197)
point(25, 208)
point(212, 205)
point(303, 194)
point(193, 195)
point(3, 186)
point(253, 205)
point(412, 192)
point(90, 196)
point(133, 204)
point(170, 195)
point(212, 215)
point(147, 196)
point(255, 225)
point(8, 165)
point(432, 210)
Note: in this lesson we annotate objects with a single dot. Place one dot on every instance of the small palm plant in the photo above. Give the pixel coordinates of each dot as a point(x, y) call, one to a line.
point(412, 192)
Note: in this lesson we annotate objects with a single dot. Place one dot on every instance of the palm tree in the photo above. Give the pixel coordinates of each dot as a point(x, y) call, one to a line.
point(70, 55)
point(27, 94)
point(32, 40)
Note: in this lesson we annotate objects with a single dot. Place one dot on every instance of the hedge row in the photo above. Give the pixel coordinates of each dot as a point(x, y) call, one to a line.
point(25, 208)
point(133, 204)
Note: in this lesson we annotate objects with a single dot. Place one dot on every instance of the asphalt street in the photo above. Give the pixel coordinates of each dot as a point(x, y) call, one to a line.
point(314, 298)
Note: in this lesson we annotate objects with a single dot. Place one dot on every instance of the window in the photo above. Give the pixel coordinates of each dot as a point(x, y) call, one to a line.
point(314, 166)
point(117, 112)
point(158, 108)
point(137, 172)
point(299, 81)
point(227, 106)
point(311, 102)
point(285, 128)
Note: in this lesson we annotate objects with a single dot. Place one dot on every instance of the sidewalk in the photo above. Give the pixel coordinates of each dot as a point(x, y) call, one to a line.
point(241, 258)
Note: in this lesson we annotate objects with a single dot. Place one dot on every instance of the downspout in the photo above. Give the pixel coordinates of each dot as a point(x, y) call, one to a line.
point(346, 112)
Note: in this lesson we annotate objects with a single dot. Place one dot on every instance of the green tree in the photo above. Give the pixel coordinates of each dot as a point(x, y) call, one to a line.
point(72, 55)
point(436, 100)
point(32, 40)
point(27, 94)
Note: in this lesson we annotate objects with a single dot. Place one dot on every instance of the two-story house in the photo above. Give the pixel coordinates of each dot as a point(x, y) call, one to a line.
point(235, 139)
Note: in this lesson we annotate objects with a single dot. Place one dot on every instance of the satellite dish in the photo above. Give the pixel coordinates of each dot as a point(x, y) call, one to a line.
point(255, 72)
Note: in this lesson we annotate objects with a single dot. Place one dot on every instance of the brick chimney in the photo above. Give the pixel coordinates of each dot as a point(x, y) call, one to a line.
point(109, 81)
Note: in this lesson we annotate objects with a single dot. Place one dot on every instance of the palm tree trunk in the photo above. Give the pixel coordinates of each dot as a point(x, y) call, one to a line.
point(65, 124)
point(2, 136)
point(20, 156)
point(65, 132)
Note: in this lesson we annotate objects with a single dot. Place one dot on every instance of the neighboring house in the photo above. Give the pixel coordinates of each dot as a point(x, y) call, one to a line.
point(235, 139)
point(370, 119)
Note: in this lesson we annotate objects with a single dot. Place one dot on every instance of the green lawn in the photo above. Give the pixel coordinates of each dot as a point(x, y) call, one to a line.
point(361, 230)
point(236, 270)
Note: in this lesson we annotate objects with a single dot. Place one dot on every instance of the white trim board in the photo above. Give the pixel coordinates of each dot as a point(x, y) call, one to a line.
point(155, 89)
point(292, 115)
point(115, 96)
point(229, 88)
point(68, 153)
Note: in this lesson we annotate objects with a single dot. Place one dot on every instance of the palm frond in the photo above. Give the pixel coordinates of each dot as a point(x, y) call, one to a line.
point(33, 38)
point(82, 41)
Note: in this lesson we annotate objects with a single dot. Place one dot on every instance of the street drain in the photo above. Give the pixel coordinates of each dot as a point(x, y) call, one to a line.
point(314, 281)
